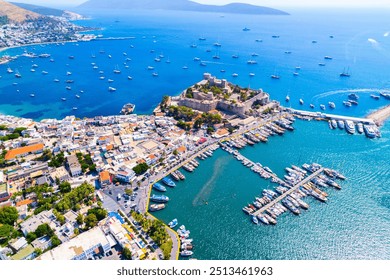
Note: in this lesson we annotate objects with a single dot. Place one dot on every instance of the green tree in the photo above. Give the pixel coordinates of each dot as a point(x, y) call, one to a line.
point(43, 230)
point(8, 215)
point(126, 253)
point(99, 213)
point(140, 168)
point(90, 221)
point(65, 187)
point(76, 231)
point(55, 241)
point(80, 219)
point(175, 152)
point(128, 191)
point(38, 252)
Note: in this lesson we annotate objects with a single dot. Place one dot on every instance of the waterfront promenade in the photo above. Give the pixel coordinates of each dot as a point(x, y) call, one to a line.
point(290, 191)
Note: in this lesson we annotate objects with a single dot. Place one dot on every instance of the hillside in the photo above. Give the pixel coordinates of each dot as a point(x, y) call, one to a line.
point(182, 5)
point(49, 11)
point(10, 12)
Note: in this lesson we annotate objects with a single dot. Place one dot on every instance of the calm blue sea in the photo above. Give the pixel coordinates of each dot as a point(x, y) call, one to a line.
point(354, 224)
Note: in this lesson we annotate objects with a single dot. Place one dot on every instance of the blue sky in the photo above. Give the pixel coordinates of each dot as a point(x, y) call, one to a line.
point(269, 3)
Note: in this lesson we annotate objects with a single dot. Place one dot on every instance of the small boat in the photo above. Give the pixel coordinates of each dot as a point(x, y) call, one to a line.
point(185, 67)
point(312, 106)
point(56, 80)
point(347, 104)
point(276, 77)
point(196, 59)
point(376, 97)
point(295, 74)
point(287, 52)
point(251, 62)
point(186, 253)
point(150, 68)
point(321, 64)
point(301, 101)
point(334, 123)
point(129, 77)
point(194, 46)
point(159, 187)
point(322, 106)
point(68, 88)
point(344, 74)
point(251, 74)
point(340, 124)
point(71, 57)
point(235, 56)
point(234, 75)
point(159, 198)
point(328, 57)
point(155, 74)
point(77, 96)
point(32, 95)
point(156, 207)
point(74, 108)
point(332, 105)
point(173, 223)
point(254, 220)
point(246, 29)
point(45, 72)
point(68, 73)
point(111, 89)
point(360, 129)
point(168, 181)
point(287, 98)
point(110, 80)
point(314, 42)
point(63, 99)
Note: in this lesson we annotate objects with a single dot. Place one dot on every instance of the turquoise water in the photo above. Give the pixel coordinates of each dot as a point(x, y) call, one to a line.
point(353, 224)
point(172, 34)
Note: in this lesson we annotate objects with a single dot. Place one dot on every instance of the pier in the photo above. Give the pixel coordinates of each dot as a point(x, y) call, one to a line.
point(320, 115)
point(381, 115)
point(290, 191)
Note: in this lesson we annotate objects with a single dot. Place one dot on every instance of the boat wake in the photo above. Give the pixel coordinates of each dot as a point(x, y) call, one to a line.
point(204, 194)
point(348, 91)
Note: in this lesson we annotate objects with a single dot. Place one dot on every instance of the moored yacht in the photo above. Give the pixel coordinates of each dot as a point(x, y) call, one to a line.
point(350, 126)
point(332, 105)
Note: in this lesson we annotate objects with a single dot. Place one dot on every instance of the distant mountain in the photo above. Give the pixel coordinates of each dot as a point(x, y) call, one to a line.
point(182, 5)
point(12, 13)
point(49, 11)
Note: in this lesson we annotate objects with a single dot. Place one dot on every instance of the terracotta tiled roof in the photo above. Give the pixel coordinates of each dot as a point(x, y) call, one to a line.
point(104, 176)
point(11, 154)
point(24, 202)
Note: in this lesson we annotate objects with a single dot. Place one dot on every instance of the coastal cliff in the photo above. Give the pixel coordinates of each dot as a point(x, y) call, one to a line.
point(180, 5)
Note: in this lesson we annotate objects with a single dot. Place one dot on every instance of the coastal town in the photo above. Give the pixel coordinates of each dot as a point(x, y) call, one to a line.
point(78, 178)
point(21, 28)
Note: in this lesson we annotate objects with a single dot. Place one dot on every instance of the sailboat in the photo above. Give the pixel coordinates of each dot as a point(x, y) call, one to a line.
point(345, 73)
point(116, 70)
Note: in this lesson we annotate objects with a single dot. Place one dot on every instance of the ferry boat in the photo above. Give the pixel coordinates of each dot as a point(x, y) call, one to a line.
point(159, 187)
point(168, 181)
point(173, 223)
point(350, 126)
point(156, 207)
point(159, 198)
point(127, 109)
point(332, 105)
